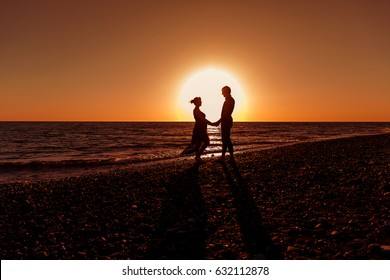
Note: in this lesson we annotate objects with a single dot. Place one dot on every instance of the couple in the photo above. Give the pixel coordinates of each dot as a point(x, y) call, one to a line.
point(200, 138)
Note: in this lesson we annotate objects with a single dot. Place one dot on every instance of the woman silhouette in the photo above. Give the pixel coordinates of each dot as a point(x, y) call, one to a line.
point(200, 138)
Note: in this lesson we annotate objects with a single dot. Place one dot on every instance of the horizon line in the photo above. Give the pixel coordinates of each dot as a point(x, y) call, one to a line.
point(182, 121)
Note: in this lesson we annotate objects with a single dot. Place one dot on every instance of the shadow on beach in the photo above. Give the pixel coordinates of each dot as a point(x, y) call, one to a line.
point(183, 228)
point(181, 232)
point(255, 237)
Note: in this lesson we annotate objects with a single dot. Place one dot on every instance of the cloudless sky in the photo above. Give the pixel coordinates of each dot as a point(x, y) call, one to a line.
point(94, 60)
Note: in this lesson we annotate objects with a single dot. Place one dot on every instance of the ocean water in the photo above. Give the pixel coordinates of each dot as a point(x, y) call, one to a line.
point(31, 151)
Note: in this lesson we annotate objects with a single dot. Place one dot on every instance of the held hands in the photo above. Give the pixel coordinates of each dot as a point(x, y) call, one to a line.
point(215, 123)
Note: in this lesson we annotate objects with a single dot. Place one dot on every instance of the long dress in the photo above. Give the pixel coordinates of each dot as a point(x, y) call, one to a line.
point(199, 134)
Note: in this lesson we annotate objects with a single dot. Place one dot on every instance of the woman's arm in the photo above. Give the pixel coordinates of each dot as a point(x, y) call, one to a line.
point(200, 116)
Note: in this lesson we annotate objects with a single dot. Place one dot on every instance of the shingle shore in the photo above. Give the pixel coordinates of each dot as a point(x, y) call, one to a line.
point(319, 200)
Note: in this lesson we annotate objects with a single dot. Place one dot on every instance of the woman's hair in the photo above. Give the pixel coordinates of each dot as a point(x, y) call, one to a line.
point(194, 100)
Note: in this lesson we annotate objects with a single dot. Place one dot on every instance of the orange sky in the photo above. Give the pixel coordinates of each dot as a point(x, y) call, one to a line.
point(127, 60)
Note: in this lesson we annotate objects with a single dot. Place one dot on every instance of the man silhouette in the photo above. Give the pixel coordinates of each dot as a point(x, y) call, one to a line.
point(226, 122)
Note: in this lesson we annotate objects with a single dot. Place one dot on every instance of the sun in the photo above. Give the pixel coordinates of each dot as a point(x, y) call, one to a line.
point(207, 84)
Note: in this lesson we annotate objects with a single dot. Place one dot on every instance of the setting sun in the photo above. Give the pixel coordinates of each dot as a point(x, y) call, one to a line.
point(126, 61)
point(207, 84)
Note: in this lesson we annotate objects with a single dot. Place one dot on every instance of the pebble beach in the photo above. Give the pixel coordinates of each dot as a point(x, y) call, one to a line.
point(315, 200)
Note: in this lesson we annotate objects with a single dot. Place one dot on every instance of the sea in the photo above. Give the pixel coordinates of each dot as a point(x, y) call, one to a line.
point(33, 151)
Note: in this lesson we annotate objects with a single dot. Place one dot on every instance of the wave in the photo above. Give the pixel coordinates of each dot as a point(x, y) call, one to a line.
point(82, 145)
point(75, 163)
point(156, 154)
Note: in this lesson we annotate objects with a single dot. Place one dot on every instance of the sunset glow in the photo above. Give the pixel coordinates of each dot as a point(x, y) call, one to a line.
point(207, 84)
point(135, 60)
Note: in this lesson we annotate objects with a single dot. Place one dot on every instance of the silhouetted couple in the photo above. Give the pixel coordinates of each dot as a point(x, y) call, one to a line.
point(200, 137)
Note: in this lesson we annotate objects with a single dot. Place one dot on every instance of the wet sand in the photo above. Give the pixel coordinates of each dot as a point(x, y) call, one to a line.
point(320, 200)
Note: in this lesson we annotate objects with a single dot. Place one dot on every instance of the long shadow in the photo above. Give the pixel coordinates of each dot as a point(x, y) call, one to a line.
point(255, 236)
point(181, 233)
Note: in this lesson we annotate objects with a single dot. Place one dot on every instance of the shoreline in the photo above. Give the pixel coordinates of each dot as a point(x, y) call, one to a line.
point(36, 172)
point(314, 200)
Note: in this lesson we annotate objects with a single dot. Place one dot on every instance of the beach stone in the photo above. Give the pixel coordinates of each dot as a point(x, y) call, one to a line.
point(292, 249)
point(275, 239)
point(346, 254)
point(320, 226)
point(373, 248)
point(44, 254)
point(259, 257)
point(385, 249)
point(81, 255)
point(382, 250)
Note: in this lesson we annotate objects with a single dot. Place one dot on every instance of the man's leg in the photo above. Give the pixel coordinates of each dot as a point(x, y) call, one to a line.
point(225, 130)
point(229, 143)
